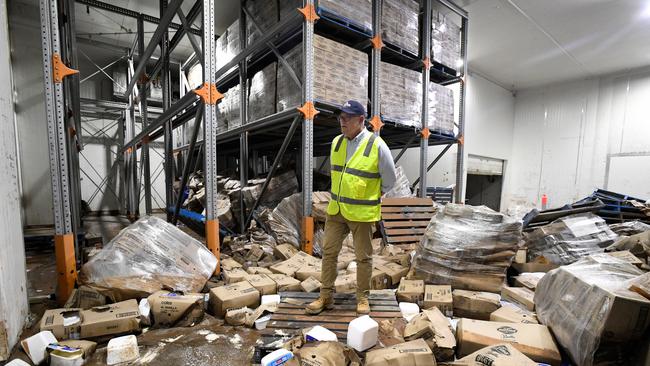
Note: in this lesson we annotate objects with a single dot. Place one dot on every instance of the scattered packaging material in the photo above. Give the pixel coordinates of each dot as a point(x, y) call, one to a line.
point(503, 354)
point(534, 267)
point(569, 238)
point(641, 285)
point(270, 299)
point(258, 270)
point(284, 251)
point(394, 271)
point(379, 280)
point(320, 334)
point(148, 256)
point(534, 340)
point(432, 326)
point(438, 296)
point(324, 353)
point(627, 256)
point(170, 309)
point(145, 312)
point(410, 291)
point(99, 321)
point(35, 346)
point(87, 347)
point(17, 362)
point(475, 304)
point(409, 310)
point(263, 283)
point(309, 270)
point(85, 297)
point(277, 358)
point(65, 355)
point(519, 295)
point(467, 247)
point(261, 322)
point(413, 353)
point(232, 296)
point(513, 314)
point(228, 264)
point(310, 285)
point(587, 305)
point(234, 275)
point(637, 244)
point(237, 317)
point(529, 279)
point(346, 284)
point(122, 349)
point(285, 283)
point(362, 333)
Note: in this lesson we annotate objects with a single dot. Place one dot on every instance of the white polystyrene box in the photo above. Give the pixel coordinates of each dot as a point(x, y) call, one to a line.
point(122, 349)
point(36, 345)
point(362, 333)
point(320, 334)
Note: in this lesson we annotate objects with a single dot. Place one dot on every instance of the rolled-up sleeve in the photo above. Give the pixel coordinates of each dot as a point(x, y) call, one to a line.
point(386, 168)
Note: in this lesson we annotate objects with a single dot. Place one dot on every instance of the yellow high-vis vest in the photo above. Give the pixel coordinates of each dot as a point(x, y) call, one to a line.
point(356, 186)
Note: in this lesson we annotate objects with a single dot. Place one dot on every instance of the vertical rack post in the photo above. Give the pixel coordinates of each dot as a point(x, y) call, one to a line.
point(243, 116)
point(309, 112)
point(168, 137)
point(375, 60)
point(425, 43)
point(210, 131)
point(54, 71)
point(144, 153)
point(130, 153)
point(460, 157)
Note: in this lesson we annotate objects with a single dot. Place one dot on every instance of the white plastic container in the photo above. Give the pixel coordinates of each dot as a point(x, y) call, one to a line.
point(65, 356)
point(17, 362)
point(36, 346)
point(409, 310)
point(362, 333)
point(320, 334)
point(122, 349)
point(270, 299)
point(260, 323)
point(277, 357)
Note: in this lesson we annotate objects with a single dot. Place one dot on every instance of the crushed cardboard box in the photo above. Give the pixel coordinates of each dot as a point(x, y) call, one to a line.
point(85, 297)
point(325, 354)
point(310, 285)
point(475, 304)
point(513, 314)
point(258, 270)
point(379, 280)
point(503, 354)
point(534, 340)
point(231, 296)
point(346, 284)
point(641, 285)
point(394, 271)
point(229, 263)
point(519, 295)
point(170, 309)
point(309, 270)
point(410, 291)
point(285, 283)
point(413, 353)
point(432, 326)
point(263, 283)
point(234, 275)
point(438, 296)
point(529, 279)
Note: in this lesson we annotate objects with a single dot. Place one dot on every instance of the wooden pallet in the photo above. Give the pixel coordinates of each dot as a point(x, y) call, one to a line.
point(404, 220)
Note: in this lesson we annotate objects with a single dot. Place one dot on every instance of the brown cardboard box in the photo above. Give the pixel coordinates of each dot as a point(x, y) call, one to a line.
point(534, 340)
point(284, 251)
point(310, 285)
point(309, 271)
point(258, 270)
point(85, 297)
point(513, 314)
point(173, 309)
point(287, 267)
point(502, 354)
point(346, 284)
point(475, 304)
point(255, 253)
point(641, 285)
point(229, 263)
point(533, 267)
point(394, 271)
point(438, 296)
point(627, 256)
point(285, 283)
point(263, 283)
point(432, 326)
point(520, 257)
point(519, 295)
point(529, 279)
point(234, 275)
point(413, 353)
point(379, 280)
point(235, 295)
point(324, 354)
point(54, 320)
point(410, 291)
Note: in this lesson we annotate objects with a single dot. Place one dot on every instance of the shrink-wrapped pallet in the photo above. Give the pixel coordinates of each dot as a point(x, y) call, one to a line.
point(445, 40)
point(261, 93)
point(229, 116)
point(399, 24)
point(400, 94)
point(357, 12)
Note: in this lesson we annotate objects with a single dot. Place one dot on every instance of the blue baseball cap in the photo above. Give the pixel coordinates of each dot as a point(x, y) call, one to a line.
point(354, 108)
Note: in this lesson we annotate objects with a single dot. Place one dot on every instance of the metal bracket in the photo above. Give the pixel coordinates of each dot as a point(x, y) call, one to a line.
point(308, 110)
point(208, 93)
point(426, 63)
point(425, 133)
point(60, 70)
point(376, 123)
point(377, 42)
point(309, 12)
point(461, 140)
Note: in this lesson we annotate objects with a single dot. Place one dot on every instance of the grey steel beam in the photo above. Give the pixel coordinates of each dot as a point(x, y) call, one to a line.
point(243, 113)
point(415, 183)
point(399, 156)
point(307, 224)
point(455, 8)
point(144, 113)
point(425, 52)
point(190, 36)
point(460, 154)
point(375, 61)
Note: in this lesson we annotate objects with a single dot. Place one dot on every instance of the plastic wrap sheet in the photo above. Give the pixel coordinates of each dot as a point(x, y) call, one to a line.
point(445, 40)
point(569, 238)
point(467, 247)
point(285, 223)
point(229, 110)
point(261, 93)
point(265, 13)
point(399, 24)
point(342, 74)
point(441, 109)
point(402, 187)
point(358, 12)
point(227, 45)
point(280, 186)
point(638, 244)
point(400, 94)
point(587, 306)
point(148, 256)
point(629, 228)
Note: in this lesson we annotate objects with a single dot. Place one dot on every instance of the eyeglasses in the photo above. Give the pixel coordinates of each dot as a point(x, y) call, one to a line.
point(345, 118)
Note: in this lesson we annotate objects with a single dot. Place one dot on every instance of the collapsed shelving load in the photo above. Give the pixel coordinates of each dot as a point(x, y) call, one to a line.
point(468, 247)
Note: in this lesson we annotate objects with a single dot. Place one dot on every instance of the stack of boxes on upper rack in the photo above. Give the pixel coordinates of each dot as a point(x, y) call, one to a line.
point(341, 72)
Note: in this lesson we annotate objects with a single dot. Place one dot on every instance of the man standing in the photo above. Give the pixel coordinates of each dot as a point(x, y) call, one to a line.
point(361, 168)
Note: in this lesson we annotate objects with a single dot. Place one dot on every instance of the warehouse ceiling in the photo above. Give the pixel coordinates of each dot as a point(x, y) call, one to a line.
point(518, 44)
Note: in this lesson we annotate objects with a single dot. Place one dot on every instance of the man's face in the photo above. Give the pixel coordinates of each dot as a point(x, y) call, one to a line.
point(350, 124)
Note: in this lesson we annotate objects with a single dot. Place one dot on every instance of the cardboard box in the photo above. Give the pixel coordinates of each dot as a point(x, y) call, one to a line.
point(85, 297)
point(627, 256)
point(475, 304)
point(520, 257)
point(641, 285)
point(394, 271)
point(284, 251)
point(310, 285)
point(258, 270)
point(438, 296)
point(173, 309)
point(255, 253)
point(519, 295)
point(413, 353)
point(234, 275)
point(513, 314)
point(534, 340)
point(533, 267)
point(263, 283)
point(121, 317)
point(285, 283)
point(379, 280)
point(231, 296)
point(529, 279)
point(290, 266)
point(346, 284)
point(433, 327)
point(502, 354)
point(309, 271)
point(410, 291)
point(324, 354)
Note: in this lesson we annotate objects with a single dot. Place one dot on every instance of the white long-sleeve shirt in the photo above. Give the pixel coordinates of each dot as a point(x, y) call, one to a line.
point(386, 165)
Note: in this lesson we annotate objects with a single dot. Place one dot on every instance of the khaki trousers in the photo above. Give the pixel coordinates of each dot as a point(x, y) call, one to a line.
point(336, 229)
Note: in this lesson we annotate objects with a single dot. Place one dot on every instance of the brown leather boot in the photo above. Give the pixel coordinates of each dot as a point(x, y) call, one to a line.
point(363, 306)
point(323, 302)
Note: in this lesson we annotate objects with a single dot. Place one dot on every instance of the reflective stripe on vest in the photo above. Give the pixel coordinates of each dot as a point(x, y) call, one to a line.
point(356, 185)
